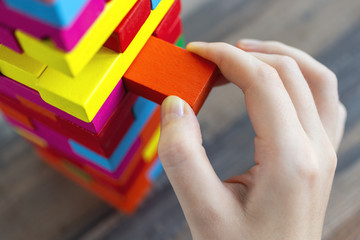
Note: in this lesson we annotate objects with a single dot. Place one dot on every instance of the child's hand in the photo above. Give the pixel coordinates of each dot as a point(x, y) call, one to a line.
point(293, 104)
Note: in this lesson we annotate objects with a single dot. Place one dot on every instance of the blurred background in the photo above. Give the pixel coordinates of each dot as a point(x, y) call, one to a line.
point(38, 203)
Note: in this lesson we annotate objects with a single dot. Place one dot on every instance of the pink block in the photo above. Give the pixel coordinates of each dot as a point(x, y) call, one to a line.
point(60, 143)
point(12, 88)
point(55, 140)
point(8, 39)
point(64, 38)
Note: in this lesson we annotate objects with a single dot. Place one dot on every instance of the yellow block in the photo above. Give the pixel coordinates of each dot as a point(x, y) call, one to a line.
point(73, 62)
point(32, 137)
point(151, 148)
point(83, 95)
point(20, 67)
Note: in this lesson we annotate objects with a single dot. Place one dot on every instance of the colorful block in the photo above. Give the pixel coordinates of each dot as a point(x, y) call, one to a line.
point(20, 67)
point(125, 32)
point(12, 88)
point(146, 108)
point(73, 62)
point(154, 4)
point(73, 86)
point(168, 21)
point(7, 38)
point(84, 95)
point(63, 38)
point(185, 74)
point(59, 13)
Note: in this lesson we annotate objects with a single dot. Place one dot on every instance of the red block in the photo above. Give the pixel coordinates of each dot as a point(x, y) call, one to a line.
point(162, 69)
point(125, 32)
point(173, 33)
point(169, 21)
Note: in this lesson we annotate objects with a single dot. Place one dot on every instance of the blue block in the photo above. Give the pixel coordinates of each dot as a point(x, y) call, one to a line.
point(60, 13)
point(143, 109)
point(154, 4)
point(155, 171)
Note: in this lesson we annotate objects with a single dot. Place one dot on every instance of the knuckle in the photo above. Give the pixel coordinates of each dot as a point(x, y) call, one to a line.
point(328, 78)
point(286, 63)
point(264, 71)
point(307, 166)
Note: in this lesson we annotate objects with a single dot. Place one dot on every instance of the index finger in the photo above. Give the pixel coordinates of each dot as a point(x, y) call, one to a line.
point(268, 104)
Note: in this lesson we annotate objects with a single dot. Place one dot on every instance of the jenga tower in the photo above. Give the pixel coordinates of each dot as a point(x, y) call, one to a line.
point(82, 80)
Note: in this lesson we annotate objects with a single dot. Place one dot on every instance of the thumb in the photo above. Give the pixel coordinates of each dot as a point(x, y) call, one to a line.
point(184, 158)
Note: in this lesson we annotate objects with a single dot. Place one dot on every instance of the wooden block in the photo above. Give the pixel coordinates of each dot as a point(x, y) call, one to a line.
point(154, 4)
point(33, 138)
point(150, 150)
point(60, 13)
point(16, 115)
point(155, 171)
point(12, 88)
point(170, 18)
point(71, 63)
point(84, 95)
point(103, 143)
point(185, 74)
point(125, 32)
point(63, 38)
point(124, 202)
point(78, 172)
point(173, 33)
point(111, 163)
point(180, 42)
point(37, 108)
point(127, 166)
point(20, 67)
point(7, 38)
point(113, 177)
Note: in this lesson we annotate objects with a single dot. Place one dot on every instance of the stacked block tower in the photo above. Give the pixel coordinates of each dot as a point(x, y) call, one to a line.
point(82, 80)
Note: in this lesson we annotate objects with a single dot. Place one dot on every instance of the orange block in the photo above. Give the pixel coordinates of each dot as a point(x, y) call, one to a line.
point(162, 69)
point(16, 115)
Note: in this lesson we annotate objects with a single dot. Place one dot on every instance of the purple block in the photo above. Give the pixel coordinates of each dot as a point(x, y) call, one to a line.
point(8, 39)
point(12, 88)
point(64, 38)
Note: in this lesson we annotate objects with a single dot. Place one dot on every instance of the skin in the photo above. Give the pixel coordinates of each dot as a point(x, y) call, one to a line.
point(293, 104)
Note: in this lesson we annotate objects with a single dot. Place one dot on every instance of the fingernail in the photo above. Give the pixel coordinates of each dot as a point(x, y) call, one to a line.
point(248, 42)
point(171, 109)
point(194, 45)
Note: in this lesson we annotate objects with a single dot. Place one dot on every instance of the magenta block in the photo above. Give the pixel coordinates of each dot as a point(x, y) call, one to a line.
point(60, 143)
point(12, 88)
point(8, 39)
point(64, 38)
point(54, 139)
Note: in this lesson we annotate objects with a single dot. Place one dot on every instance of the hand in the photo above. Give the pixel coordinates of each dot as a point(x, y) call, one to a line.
point(293, 104)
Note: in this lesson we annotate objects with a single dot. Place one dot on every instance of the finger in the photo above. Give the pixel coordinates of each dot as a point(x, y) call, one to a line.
point(341, 125)
point(269, 106)
point(298, 90)
point(322, 81)
point(184, 159)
